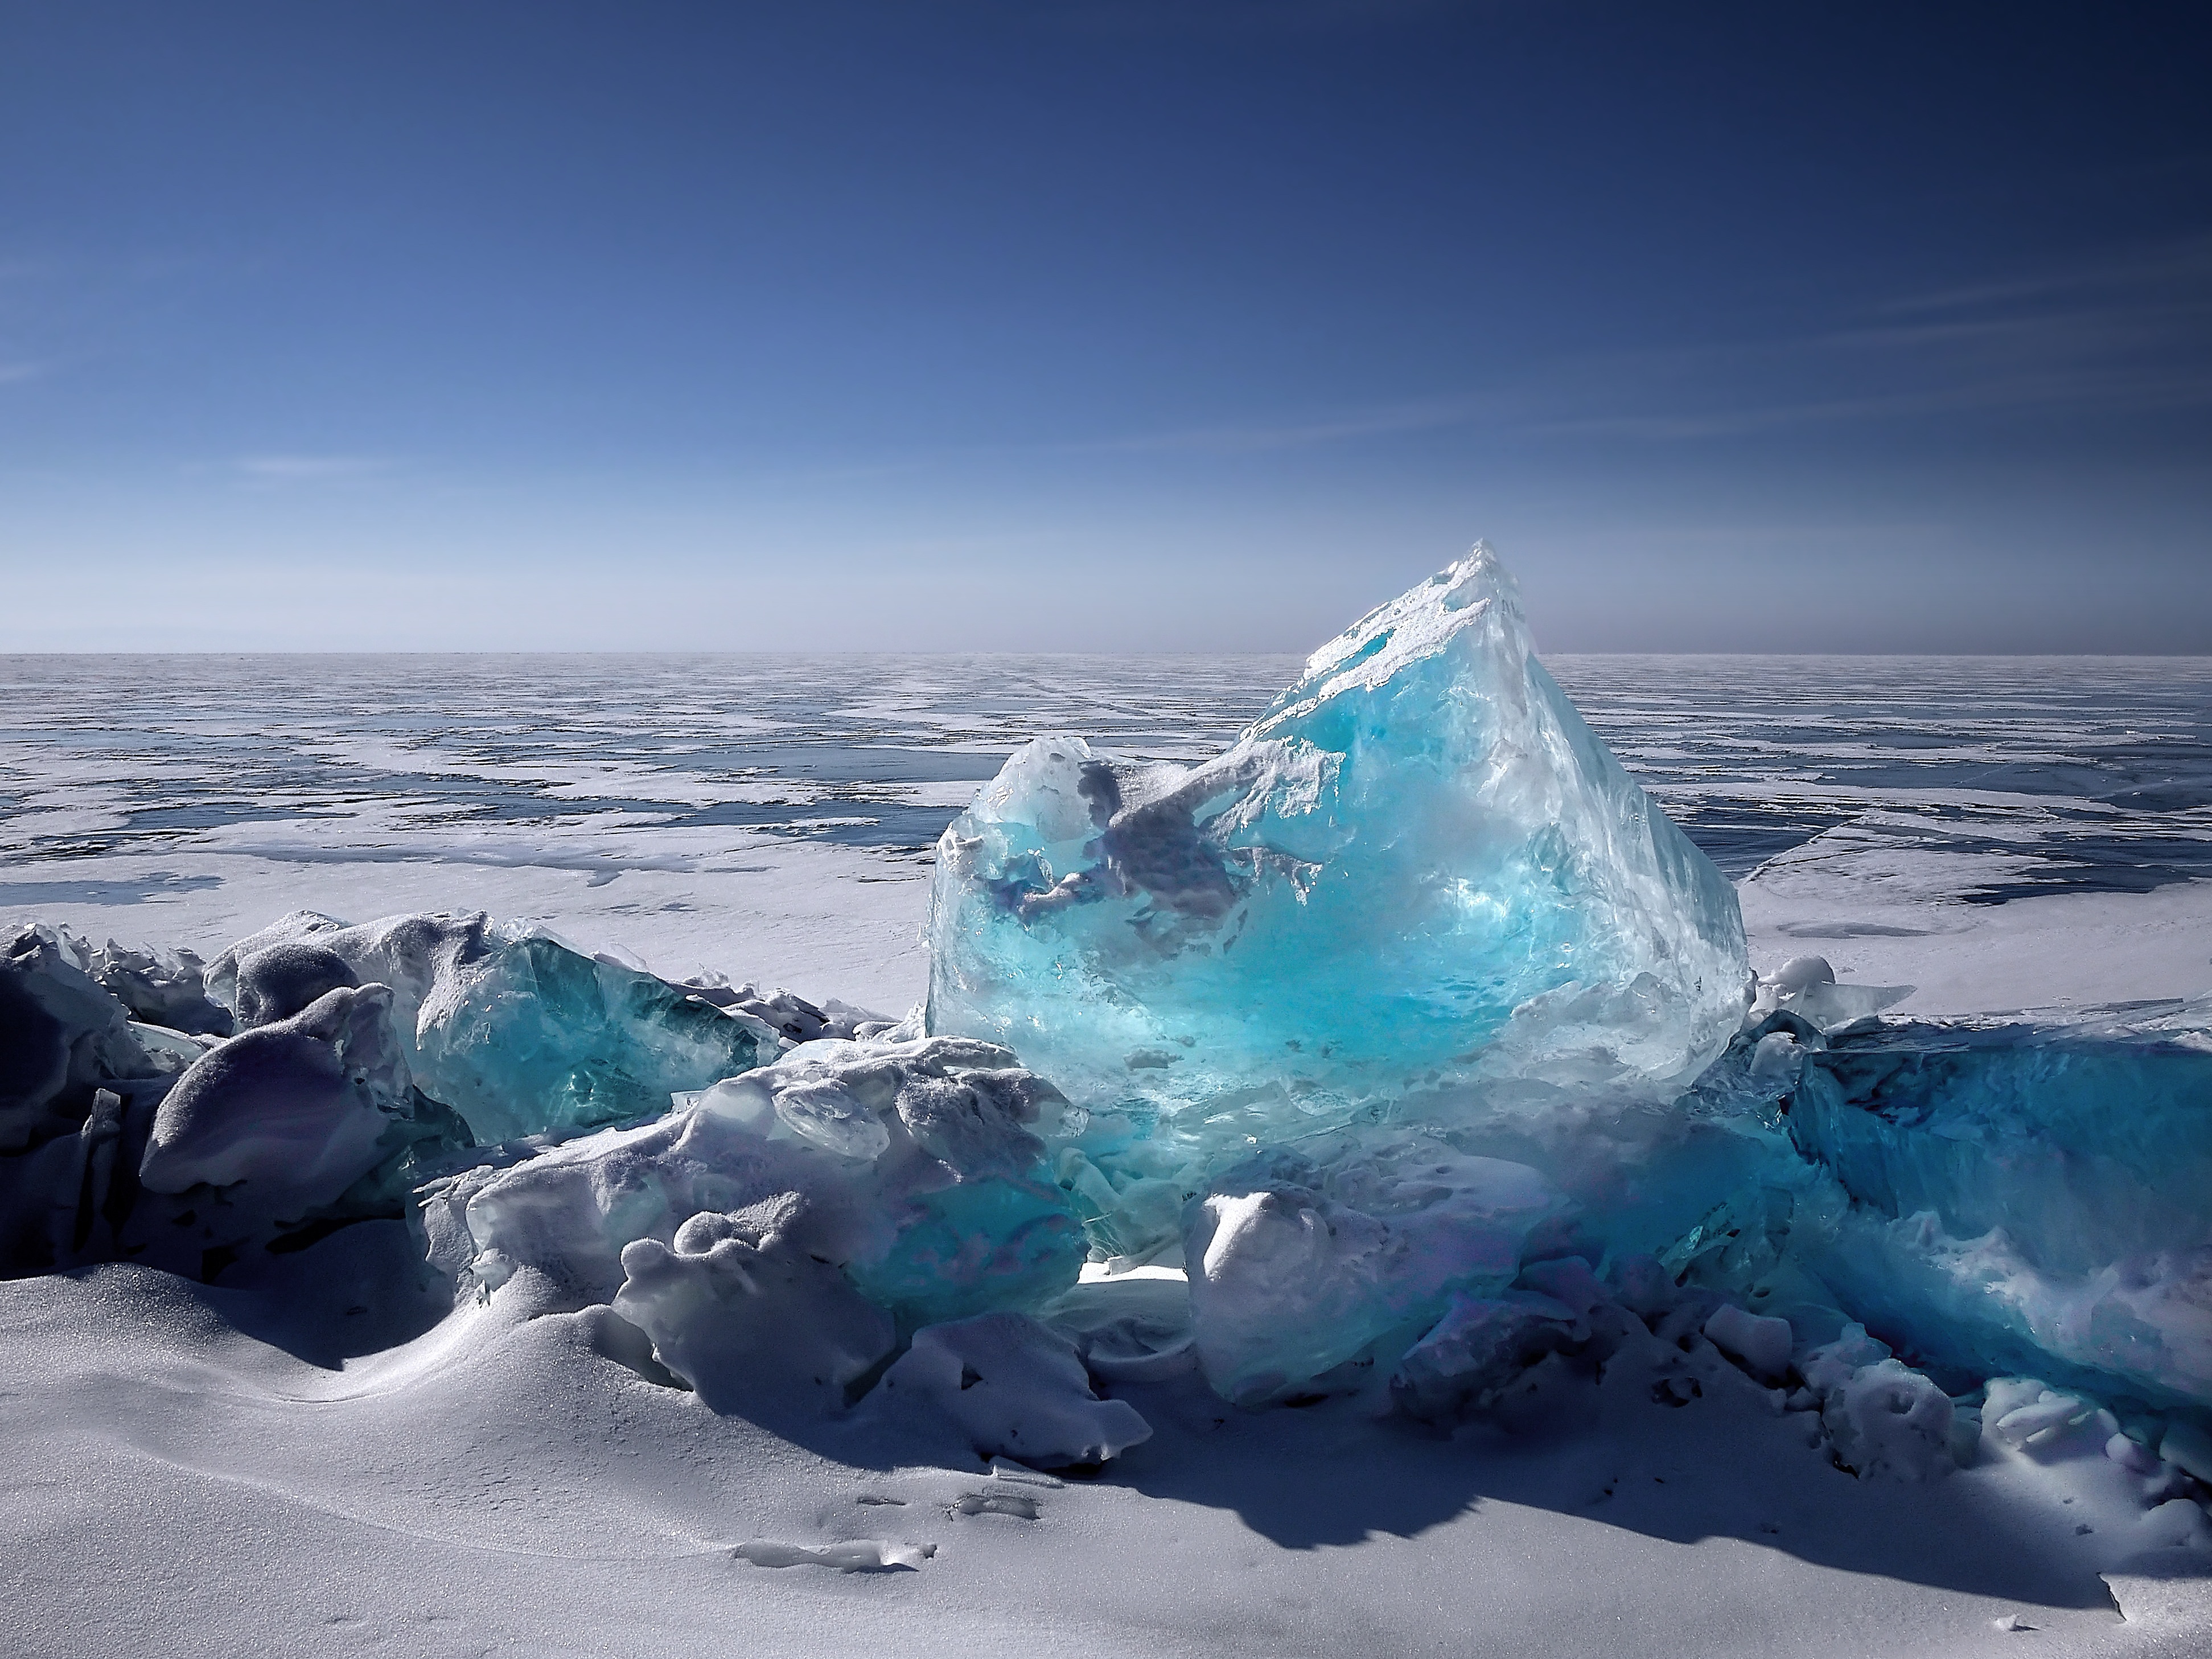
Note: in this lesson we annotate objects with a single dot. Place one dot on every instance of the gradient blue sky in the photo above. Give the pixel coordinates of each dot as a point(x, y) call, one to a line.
point(1102, 326)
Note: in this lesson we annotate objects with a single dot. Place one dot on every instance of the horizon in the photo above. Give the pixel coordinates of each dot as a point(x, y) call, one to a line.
point(1104, 327)
point(336, 651)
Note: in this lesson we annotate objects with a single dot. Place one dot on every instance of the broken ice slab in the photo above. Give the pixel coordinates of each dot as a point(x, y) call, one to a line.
point(536, 1037)
point(510, 1027)
point(2090, 1142)
point(940, 1210)
point(1419, 866)
point(2006, 1198)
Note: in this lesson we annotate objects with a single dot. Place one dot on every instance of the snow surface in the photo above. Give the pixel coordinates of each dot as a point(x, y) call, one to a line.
point(1877, 925)
point(190, 1472)
point(318, 1460)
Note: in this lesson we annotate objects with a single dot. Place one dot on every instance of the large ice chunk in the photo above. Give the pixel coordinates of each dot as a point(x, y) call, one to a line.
point(1420, 865)
point(1998, 1197)
point(2008, 1196)
point(297, 1110)
point(536, 1036)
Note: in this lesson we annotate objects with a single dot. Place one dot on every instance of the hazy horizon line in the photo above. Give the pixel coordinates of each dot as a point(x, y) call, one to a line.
point(863, 651)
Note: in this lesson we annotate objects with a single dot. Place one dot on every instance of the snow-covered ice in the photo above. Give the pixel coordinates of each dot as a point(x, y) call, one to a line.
point(520, 1292)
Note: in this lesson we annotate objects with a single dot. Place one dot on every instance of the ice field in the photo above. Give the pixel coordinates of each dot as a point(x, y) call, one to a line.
point(1264, 1157)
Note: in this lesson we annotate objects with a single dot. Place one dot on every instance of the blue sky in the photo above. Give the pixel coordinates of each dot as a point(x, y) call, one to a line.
point(1102, 326)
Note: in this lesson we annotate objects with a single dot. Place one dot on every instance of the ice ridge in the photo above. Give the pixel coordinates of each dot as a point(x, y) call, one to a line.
point(1405, 1046)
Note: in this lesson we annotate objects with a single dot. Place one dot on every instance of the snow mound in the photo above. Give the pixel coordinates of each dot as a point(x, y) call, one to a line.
point(741, 1308)
point(1012, 1388)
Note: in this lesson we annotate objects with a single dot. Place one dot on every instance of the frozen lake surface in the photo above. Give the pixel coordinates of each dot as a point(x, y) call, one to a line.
point(771, 816)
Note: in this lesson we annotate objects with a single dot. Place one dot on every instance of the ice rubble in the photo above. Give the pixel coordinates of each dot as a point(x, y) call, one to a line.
point(1410, 1039)
point(2008, 1196)
point(1296, 1266)
point(511, 1027)
point(910, 1166)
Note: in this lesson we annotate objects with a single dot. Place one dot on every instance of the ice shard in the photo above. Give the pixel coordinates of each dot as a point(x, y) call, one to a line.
point(536, 1038)
point(1419, 866)
point(511, 1027)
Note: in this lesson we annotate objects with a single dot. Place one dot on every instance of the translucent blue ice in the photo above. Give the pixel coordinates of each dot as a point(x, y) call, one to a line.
point(536, 1037)
point(2020, 1197)
point(1419, 866)
point(1408, 1027)
point(509, 1027)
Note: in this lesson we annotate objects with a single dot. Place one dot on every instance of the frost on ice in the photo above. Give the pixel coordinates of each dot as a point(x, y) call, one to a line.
point(1404, 1049)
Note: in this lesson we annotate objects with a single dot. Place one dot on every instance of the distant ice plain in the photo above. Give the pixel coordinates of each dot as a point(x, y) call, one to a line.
point(2002, 832)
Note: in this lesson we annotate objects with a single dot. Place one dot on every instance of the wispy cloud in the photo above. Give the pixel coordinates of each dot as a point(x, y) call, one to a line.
point(1258, 437)
point(310, 468)
point(2123, 336)
point(2127, 335)
point(15, 373)
point(2181, 268)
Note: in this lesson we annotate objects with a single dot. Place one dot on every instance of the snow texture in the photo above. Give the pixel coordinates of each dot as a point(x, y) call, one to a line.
point(1012, 1388)
point(910, 1165)
point(741, 1308)
point(295, 1108)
